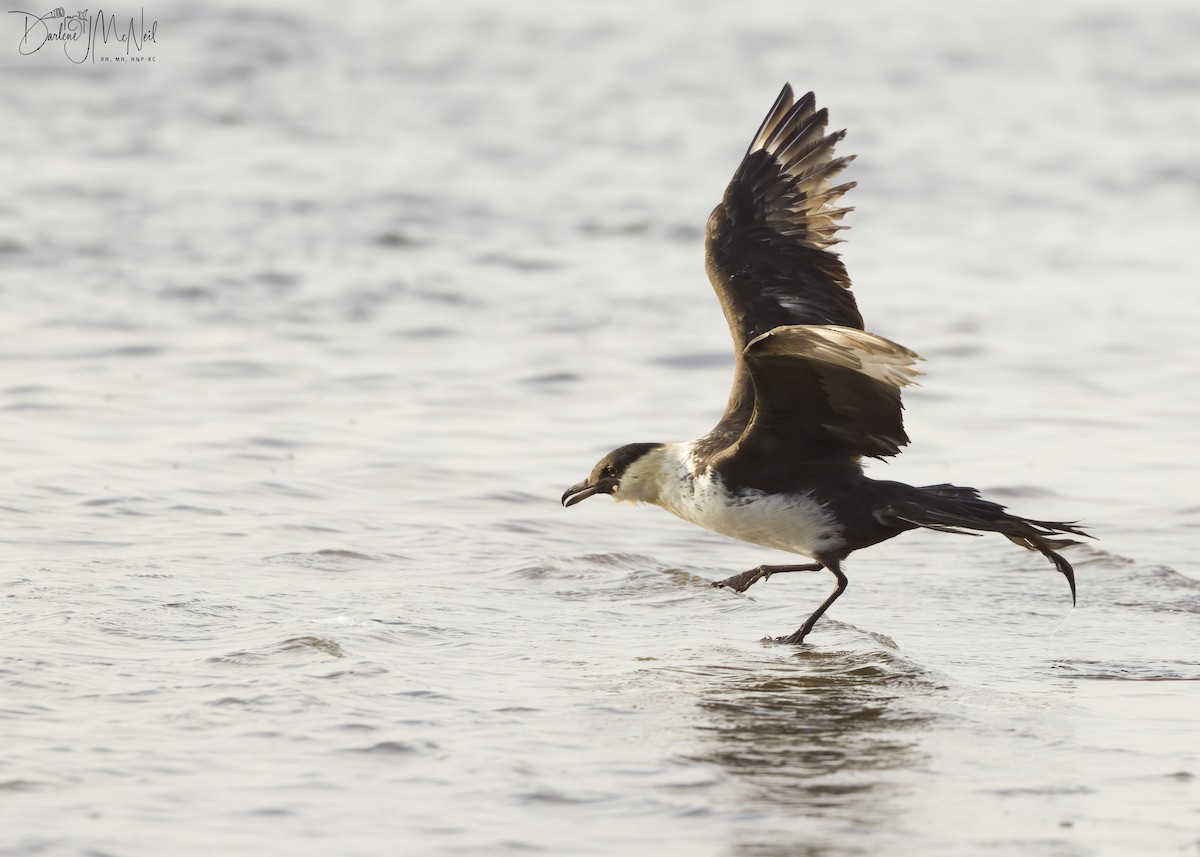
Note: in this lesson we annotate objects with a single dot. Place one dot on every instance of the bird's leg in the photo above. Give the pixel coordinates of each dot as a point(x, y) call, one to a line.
point(798, 637)
point(742, 582)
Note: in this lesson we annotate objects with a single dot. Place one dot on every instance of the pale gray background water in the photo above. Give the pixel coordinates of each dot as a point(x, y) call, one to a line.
point(307, 325)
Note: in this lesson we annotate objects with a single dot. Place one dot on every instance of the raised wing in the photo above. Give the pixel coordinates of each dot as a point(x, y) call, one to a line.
point(768, 243)
point(821, 392)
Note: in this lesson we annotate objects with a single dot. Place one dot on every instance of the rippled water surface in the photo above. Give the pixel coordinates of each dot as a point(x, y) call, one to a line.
point(308, 323)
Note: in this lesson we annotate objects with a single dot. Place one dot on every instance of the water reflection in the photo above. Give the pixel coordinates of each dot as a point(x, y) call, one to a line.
point(826, 734)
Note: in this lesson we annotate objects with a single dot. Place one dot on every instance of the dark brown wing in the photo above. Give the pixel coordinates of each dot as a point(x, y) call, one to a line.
point(768, 242)
point(822, 393)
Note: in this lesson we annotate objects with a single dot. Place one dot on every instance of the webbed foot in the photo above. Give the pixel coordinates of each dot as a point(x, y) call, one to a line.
point(742, 582)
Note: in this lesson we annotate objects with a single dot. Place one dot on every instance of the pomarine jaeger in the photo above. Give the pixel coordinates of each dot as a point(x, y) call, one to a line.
point(813, 392)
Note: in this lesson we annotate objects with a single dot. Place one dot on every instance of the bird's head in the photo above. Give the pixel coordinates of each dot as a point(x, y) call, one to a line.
point(628, 473)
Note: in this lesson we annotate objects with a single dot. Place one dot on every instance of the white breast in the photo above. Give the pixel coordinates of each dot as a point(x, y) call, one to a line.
point(797, 523)
point(789, 522)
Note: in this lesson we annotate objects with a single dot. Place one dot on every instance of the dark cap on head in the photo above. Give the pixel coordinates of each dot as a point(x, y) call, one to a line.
point(606, 475)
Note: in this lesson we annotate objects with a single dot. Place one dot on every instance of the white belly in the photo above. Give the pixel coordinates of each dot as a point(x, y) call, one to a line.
point(793, 522)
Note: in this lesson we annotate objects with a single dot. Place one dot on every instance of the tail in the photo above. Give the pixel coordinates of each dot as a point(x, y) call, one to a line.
point(952, 509)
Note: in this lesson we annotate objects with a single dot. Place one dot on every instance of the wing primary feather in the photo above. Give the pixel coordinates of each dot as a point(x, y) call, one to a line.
point(773, 119)
point(801, 112)
point(803, 149)
point(810, 134)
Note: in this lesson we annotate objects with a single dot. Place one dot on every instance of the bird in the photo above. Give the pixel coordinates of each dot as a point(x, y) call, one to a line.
point(813, 392)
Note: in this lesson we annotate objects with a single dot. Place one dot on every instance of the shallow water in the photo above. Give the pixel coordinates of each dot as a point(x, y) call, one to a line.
point(308, 324)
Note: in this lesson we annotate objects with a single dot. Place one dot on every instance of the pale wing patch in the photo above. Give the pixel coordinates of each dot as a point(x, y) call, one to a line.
point(847, 347)
point(786, 298)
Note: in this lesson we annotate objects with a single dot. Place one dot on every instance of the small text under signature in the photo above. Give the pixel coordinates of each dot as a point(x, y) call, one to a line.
point(77, 33)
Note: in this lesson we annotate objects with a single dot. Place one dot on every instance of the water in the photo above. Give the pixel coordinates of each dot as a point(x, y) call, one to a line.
point(307, 325)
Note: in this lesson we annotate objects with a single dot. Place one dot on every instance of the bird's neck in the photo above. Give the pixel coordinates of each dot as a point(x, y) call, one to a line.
point(659, 476)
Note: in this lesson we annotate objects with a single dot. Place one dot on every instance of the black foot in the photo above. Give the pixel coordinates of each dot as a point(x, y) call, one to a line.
point(795, 639)
point(742, 582)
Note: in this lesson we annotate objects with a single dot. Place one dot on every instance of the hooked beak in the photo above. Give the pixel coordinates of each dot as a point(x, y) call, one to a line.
point(583, 490)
